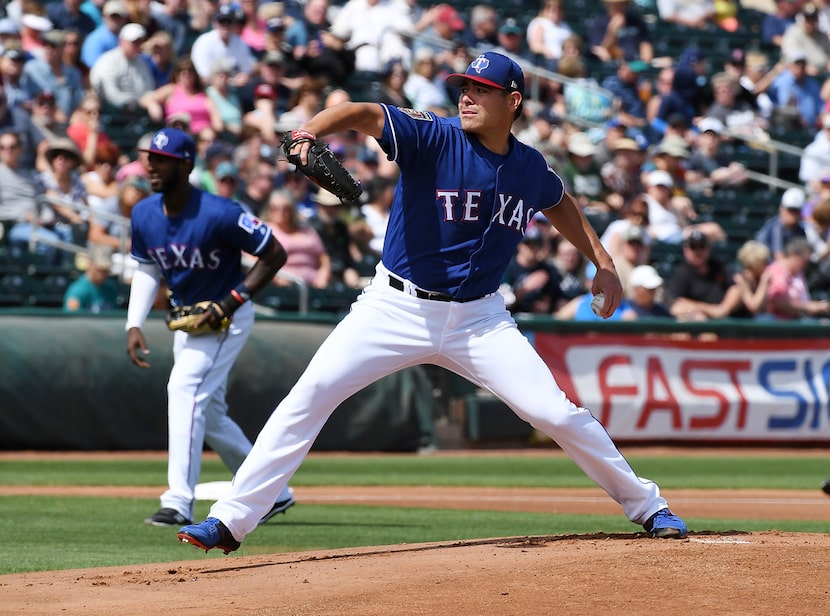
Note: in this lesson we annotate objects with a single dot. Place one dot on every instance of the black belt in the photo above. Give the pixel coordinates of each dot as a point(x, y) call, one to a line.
point(436, 296)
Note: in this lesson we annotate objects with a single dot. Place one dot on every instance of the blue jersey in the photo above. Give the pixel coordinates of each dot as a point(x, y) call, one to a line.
point(199, 251)
point(459, 209)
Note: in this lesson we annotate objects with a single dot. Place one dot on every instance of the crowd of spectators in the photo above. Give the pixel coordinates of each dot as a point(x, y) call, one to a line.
point(637, 137)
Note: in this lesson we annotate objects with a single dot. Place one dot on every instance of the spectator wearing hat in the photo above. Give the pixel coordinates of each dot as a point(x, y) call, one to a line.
point(622, 174)
point(46, 117)
point(795, 94)
point(61, 180)
point(805, 36)
point(546, 32)
point(307, 256)
point(222, 41)
point(32, 28)
point(711, 165)
point(226, 175)
point(620, 34)
point(788, 224)
point(51, 74)
point(263, 117)
point(776, 23)
point(700, 287)
point(333, 222)
point(12, 61)
point(121, 77)
point(442, 22)
point(625, 85)
point(511, 41)
point(105, 37)
point(582, 177)
point(67, 15)
point(531, 283)
point(671, 155)
point(204, 172)
point(544, 133)
point(644, 290)
point(273, 72)
point(670, 215)
point(185, 94)
point(95, 291)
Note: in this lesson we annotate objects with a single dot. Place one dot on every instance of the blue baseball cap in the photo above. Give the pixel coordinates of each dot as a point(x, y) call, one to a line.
point(172, 142)
point(492, 69)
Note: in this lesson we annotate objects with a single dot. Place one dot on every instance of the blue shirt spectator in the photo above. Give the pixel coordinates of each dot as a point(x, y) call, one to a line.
point(794, 88)
point(67, 15)
point(774, 24)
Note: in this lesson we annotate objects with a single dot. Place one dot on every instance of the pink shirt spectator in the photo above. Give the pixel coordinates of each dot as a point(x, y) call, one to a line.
point(304, 248)
point(193, 104)
point(783, 283)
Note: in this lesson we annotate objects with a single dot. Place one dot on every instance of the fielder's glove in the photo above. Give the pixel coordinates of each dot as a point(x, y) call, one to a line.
point(185, 318)
point(323, 168)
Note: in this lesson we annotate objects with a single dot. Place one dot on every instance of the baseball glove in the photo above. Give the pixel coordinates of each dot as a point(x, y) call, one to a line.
point(185, 318)
point(323, 168)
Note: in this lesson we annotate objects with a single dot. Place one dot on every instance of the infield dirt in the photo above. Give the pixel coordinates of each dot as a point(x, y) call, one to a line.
point(760, 574)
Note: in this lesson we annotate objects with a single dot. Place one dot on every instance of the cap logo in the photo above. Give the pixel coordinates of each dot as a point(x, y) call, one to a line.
point(480, 64)
point(160, 141)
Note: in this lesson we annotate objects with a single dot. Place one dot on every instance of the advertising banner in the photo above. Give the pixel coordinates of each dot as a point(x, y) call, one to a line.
point(656, 388)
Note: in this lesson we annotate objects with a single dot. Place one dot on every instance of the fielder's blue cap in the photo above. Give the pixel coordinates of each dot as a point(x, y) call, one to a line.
point(492, 69)
point(172, 142)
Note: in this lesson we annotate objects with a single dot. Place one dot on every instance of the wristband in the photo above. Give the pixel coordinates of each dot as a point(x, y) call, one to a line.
point(302, 134)
point(241, 294)
point(235, 299)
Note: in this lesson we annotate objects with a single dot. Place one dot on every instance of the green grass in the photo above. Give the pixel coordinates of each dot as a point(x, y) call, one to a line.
point(49, 532)
point(739, 472)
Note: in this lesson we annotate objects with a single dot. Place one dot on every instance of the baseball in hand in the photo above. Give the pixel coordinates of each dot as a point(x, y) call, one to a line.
point(598, 303)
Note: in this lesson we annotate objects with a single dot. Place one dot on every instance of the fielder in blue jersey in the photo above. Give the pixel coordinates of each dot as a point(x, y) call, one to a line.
point(467, 191)
point(194, 240)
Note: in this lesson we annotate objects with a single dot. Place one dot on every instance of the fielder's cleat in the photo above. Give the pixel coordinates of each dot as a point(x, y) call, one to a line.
point(279, 507)
point(825, 486)
point(167, 516)
point(665, 525)
point(208, 535)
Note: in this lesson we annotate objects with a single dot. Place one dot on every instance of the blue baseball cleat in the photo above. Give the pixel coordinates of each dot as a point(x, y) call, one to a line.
point(665, 525)
point(207, 535)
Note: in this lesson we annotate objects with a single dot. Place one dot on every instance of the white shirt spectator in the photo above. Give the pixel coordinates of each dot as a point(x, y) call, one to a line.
point(373, 29)
point(209, 47)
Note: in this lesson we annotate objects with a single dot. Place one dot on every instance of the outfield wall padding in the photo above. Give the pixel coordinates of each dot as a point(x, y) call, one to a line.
point(66, 383)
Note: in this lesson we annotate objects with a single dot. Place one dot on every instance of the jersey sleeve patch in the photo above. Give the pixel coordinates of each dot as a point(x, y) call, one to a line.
point(249, 223)
point(415, 114)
